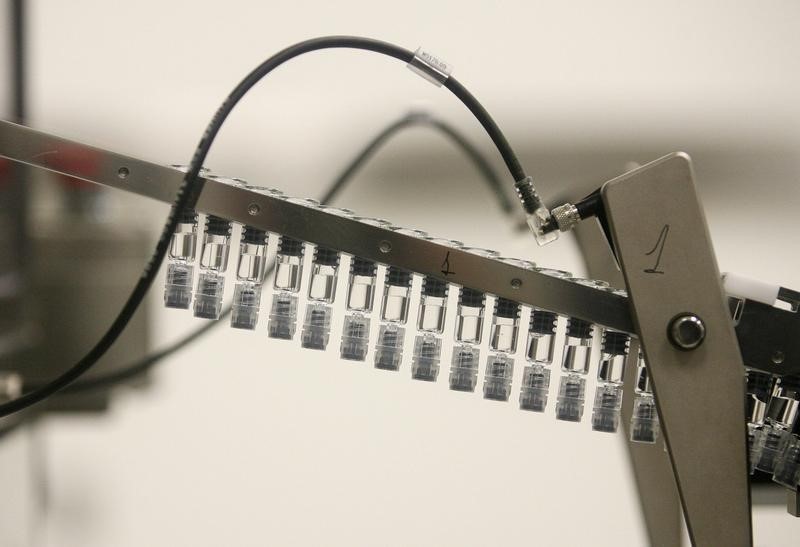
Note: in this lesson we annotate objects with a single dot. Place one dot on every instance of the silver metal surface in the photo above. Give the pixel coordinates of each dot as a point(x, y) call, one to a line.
point(268, 213)
point(667, 259)
point(566, 216)
point(655, 482)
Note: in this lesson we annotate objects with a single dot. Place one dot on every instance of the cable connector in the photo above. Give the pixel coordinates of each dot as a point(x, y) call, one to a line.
point(430, 67)
point(566, 216)
point(537, 216)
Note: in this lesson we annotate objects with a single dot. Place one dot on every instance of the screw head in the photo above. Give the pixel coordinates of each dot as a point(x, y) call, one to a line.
point(123, 172)
point(385, 246)
point(516, 283)
point(686, 331)
point(253, 209)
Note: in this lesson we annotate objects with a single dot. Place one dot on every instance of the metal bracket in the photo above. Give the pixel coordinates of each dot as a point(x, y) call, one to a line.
point(668, 262)
point(247, 206)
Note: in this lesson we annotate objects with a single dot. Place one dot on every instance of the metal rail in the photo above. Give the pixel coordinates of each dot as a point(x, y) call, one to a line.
point(248, 206)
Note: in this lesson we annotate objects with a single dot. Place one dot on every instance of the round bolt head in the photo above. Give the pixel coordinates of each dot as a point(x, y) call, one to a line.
point(686, 331)
point(253, 209)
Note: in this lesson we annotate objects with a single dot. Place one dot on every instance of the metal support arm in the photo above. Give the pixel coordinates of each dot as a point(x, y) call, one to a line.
point(685, 328)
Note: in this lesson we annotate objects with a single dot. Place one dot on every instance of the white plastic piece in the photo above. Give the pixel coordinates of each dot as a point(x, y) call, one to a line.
point(430, 67)
point(751, 289)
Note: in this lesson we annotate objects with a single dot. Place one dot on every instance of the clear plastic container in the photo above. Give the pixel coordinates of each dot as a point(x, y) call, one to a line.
point(283, 316)
point(575, 362)
point(464, 367)
point(396, 295)
point(317, 326)
point(781, 419)
point(427, 353)
point(539, 353)
point(213, 263)
point(389, 348)
point(498, 377)
point(321, 293)
point(355, 337)
point(250, 272)
point(645, 425)
point(287, 283)
point(610, 378)
point(535, 388)
point(787, 469)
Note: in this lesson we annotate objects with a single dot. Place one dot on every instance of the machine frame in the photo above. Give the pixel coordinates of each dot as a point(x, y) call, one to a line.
point(656, 227)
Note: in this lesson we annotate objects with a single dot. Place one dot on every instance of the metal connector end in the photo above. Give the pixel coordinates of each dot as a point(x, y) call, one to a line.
point(566, 216)
point(538, 217)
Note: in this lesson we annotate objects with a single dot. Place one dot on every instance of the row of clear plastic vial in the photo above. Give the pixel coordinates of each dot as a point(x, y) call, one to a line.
point(394, 311)
point(773, 429)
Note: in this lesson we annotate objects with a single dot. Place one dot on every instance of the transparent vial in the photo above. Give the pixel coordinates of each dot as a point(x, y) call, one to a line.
point(355, 337)
point(250, 272)
point(770, 442)
point(360, 298)
point(498, 377)
point(317, 326)
point(539, 353)
point(288, 278)
point(469, 316)
point(464, 367)
point(575, 365)
point(759, 388)
point(469, 326)
point(360, 301)
point(781, 418)
point(324, 273)
point(394, 314)
point(322, 292)
point(430, 323)
point(505, 325)
point(608, 396)
point(180, 267)
point(361, 285)
point(396, 295)
point(502, 342)
point(468, 332)
point(213, 263)
point(289, 264)
point(575, 362)
point(427, 353)
point(389, 348)
point(787, 468)
point(645, 426)
point(363, 274)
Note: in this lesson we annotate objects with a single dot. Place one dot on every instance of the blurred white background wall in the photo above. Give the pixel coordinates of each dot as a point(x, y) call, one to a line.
point(247, 441)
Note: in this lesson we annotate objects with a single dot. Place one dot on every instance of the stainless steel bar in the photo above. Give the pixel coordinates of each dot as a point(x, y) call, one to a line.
point(25, 145)
point(652, 472)
point(667, 259)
